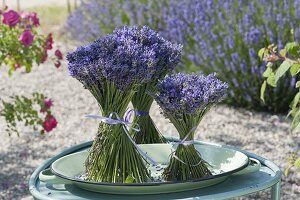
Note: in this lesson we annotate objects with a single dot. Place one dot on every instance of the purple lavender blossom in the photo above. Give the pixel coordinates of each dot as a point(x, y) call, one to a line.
point(127, 56)
point(210, 31)
point(96, 18)
point(226, 36)
point(189, 94)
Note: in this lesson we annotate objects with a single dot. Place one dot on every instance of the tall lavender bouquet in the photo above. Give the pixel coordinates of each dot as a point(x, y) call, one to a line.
point(112, 69)
point(162, 57)
point(185, 99)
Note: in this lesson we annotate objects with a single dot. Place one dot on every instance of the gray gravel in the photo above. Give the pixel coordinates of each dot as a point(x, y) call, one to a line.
point(261, 133)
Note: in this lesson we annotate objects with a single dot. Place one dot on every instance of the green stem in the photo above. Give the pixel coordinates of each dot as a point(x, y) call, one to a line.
point(142, 102)
point(188, 164)
point(112, 157)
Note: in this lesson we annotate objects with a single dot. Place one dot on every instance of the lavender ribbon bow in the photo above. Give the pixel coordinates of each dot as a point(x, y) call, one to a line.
point(131, 112)
point(125, 123)
point(184, 141)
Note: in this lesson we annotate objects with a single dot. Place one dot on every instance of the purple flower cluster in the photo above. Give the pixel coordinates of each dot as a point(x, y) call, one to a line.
point(226, 36)
point(99, 17)
point(189, 94)
point(221, 36)
point(127, 56)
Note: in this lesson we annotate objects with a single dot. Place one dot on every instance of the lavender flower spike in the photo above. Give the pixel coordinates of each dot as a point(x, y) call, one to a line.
point(127, 56)
point(189, 94)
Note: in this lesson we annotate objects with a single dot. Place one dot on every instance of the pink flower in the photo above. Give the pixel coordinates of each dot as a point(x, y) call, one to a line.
point(48, 103)
point(58, 54)
point(17, 66)
point(25, 15)
point(11, 18)
point(26, 38)
point(49, 123)
point(57, 64)
point(49, 42)
point(35, 20)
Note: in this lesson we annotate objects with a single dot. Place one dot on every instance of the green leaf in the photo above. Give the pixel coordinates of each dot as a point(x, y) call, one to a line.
point(28, 68)
point(295, 68)
point(262, 91)
point(293, 49)
point(283, 52)
point(290, 113)
point(261, 53)
point(282, 69)
point(129, 179)
point(295, 101)
point(125, 18)
point(297, 84)
point(297, 163)
point(286, 171)
point(269, 64)
point(271, 80)
point(290, 45)
point(11, 71)
point(296, 121)
point(271, 46)
point(267, 72)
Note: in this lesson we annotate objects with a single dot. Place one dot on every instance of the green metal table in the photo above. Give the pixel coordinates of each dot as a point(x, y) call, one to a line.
point(269, 176)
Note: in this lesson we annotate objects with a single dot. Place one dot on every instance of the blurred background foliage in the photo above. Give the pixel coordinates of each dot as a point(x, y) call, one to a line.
point(221, 36)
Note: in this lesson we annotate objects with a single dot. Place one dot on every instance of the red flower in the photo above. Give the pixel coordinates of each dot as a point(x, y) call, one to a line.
point(58, 54)
point(50, 123)
point(26, 38)
point(35, 20)
point(48, 103)
point(11, 18)
point(49, 42)
point(57, 64)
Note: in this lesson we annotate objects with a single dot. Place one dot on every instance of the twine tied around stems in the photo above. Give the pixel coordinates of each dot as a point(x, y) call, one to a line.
point(186, 142)
point(125, 124)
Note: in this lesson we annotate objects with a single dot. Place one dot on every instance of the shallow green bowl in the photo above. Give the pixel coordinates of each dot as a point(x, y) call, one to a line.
point(223, 161)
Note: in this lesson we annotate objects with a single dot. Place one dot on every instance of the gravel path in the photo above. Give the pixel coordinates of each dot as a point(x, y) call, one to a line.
point(260, 133)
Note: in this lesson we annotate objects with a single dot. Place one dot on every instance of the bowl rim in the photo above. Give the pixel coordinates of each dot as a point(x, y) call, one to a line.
point(206, 178)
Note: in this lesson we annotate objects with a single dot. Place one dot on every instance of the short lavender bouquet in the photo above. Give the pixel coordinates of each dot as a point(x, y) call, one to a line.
point(161, 58)
point(112, 68)
point(185, 99)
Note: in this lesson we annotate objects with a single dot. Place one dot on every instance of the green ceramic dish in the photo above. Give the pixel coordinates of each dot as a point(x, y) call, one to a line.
point(224, 162)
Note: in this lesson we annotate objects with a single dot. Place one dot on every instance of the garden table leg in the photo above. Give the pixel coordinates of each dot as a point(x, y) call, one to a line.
point(276, 191)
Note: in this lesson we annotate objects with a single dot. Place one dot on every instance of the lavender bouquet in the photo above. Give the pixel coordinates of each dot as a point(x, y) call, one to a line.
point(112, 68)
point(161, 57)
point(185, 99)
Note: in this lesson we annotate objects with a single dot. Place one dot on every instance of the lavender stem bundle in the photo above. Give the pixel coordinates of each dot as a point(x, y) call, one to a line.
point(163, 57)
point(113, 68)
point(142, 102)
point(185, 99)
